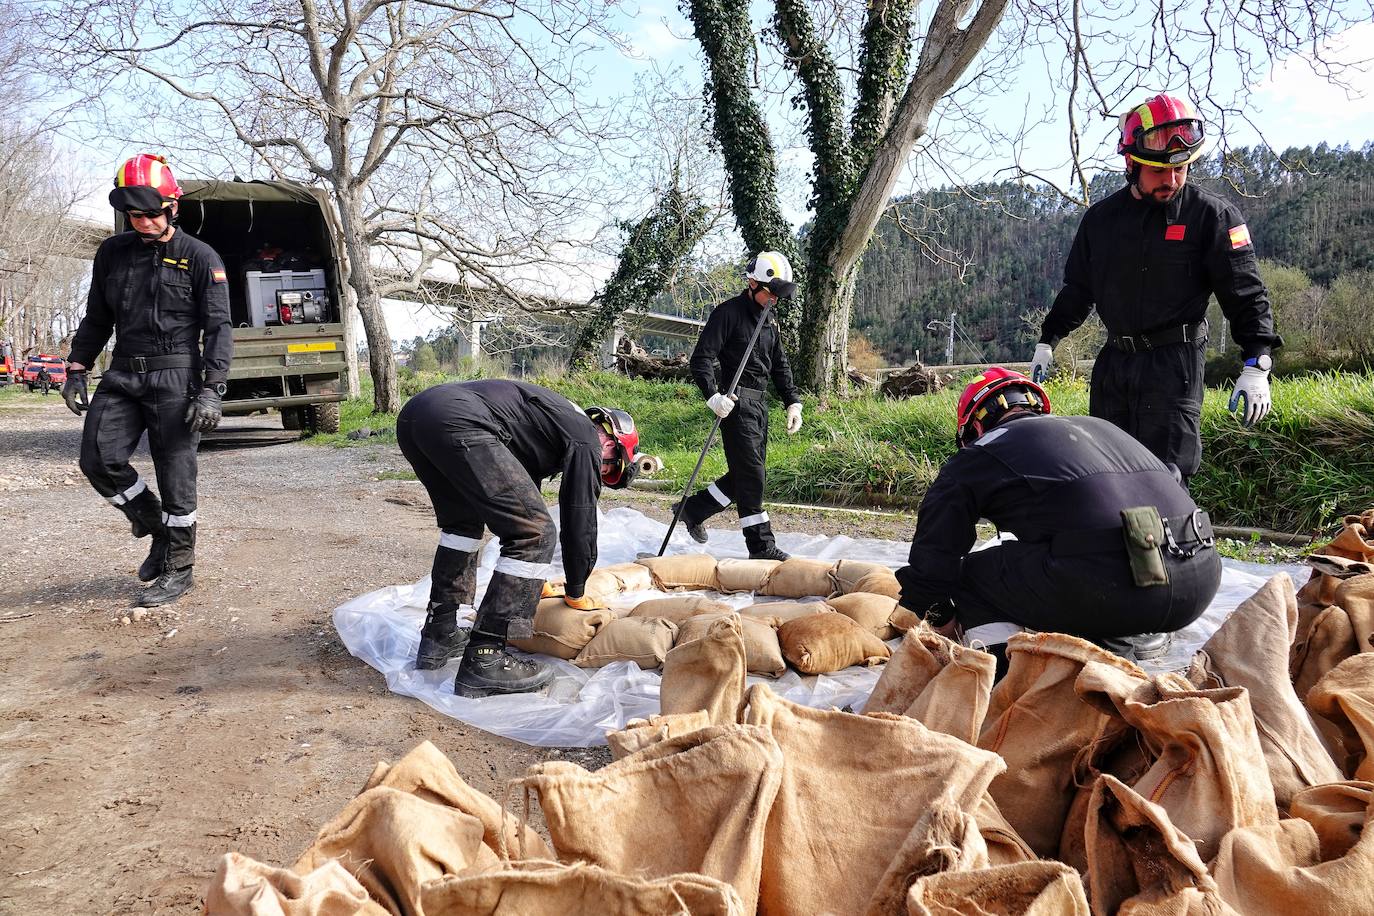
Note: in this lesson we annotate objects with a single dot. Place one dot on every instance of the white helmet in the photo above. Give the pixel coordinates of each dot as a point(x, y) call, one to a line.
point(771, 270)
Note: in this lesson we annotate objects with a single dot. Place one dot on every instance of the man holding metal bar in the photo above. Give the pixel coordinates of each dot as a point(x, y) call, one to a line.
point(727, 347)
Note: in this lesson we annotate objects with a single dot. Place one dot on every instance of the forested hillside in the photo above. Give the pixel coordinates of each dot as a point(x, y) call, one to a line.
point(994, 253)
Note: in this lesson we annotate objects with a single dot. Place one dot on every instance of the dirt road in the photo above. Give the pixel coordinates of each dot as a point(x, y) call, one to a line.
point(132, 755)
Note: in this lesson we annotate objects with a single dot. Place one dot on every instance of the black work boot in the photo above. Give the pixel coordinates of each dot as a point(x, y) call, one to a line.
point(441, 639)
point(171, 585)
point(1147, 646)
point(152, 565)
point(759, 539)
point(487, 669)
point(697, 530)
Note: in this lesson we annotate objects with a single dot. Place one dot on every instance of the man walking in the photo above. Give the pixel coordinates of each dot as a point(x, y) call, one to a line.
point(159, 291)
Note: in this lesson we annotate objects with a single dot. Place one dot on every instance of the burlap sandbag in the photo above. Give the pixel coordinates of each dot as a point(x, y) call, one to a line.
point(872, 612)
point(1336, 813)
point(853, 788)
point(550, 889)
point(562, 631)
point(244, 887)
point(799, 577)
point(783, 611)
point(1345, 698)
point(1279, 869)
point(1027, 889)
point(1037, 723)
point(734, 575)
point(640, 733)
point(945, 838)
point(393, 842)
point(633, 577)
point(1337, 632)
point(697, 803)
point(642, 640)
point(847, 574)
point(686, 570)
point(936, 680)
point(427, 773)
point(1005, 846)
point(706, 673)
point(1140, 863)
point(880, 582)
point(680, 608)
point(762, 651)
point(823, 643)
point(1251, 650)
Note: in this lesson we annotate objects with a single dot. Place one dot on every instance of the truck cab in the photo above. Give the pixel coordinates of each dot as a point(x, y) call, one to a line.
point(280, 244)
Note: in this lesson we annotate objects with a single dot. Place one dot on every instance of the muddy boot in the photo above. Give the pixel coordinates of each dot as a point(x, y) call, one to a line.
point(171, 585)
point(441, 639)
point(144, 512)
point(759, 539)
point(696, 530)
point(487, 669)
point(152, 565)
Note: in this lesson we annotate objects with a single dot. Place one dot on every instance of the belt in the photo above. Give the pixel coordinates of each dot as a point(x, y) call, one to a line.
point(1184, 535)
point(748, 394)
point(150, 363)
point(1182, 334)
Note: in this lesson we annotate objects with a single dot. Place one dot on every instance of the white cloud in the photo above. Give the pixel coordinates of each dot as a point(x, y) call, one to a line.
point(653, 38)
point(1299, 107)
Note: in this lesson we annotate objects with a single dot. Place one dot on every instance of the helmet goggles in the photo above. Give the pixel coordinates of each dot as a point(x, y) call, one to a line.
point(1177, 135)
point(619, 470)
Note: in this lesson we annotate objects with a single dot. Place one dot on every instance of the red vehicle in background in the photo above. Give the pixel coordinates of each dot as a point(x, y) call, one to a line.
point(7, 373)
point(36, 364)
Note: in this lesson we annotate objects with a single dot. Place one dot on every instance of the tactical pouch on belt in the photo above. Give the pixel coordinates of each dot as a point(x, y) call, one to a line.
point(1144, 533)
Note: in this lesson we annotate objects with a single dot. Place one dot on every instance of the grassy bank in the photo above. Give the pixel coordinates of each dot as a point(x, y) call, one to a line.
point(1310, 462)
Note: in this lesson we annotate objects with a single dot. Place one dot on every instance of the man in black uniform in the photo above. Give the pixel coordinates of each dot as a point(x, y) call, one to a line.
point(744, 417)
point(1148, 257)
point(1108, 542)
point(159, 290)
point(481, 448)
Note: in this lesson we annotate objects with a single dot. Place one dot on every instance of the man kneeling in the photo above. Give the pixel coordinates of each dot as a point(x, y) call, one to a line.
point(481, 448)
point(1109, 545)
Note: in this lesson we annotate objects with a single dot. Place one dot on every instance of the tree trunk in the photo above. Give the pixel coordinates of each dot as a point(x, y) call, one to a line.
point(386, 395)
point(824, 355)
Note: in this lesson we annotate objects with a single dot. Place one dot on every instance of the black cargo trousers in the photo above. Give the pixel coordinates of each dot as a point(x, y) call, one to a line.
point(744, 436)
point(475, 482)
point(125, 405)
point(1156, 396)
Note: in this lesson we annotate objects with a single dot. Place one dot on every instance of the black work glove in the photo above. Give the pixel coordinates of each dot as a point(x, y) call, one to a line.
point(204, 413)
point(74, 391)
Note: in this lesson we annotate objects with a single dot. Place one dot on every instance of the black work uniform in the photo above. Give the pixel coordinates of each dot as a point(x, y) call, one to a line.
point(1149, 270)
point(159, 299)
point(481, 449)
point(1059, 484)
point(744, 433)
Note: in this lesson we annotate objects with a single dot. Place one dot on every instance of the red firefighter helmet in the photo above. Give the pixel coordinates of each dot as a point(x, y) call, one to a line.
point(989, 396)
point(621, 469)
point(1165, 131)
point(145, 182)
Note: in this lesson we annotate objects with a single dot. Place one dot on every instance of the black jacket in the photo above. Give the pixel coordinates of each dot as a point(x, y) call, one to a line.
point(548, 435)
point(1032, 476)
point(157, 298)
point(1148, 268)
point(723, 340)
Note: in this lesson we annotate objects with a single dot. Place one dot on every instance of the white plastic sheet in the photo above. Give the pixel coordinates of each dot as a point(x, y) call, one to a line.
point(383, 629)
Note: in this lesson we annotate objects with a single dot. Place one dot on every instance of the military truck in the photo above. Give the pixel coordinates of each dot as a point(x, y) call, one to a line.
point(283, 255)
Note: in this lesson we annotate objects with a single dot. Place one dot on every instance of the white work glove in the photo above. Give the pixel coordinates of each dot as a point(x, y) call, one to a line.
point(1252, 388)
point(793, 418)
point(720, 405)
point(1041, 362)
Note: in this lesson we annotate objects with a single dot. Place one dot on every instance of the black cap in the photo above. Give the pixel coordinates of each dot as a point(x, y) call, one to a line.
point(137, 197)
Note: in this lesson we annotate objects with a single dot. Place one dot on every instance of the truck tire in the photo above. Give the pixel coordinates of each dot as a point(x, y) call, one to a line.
point(291, 418)
point(326, 417)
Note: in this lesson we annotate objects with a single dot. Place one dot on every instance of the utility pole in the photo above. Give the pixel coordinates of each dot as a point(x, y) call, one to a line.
point(949, 345)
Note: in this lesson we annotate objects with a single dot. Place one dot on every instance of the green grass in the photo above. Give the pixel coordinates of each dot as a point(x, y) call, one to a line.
point(11, 393)
point(1310, 463)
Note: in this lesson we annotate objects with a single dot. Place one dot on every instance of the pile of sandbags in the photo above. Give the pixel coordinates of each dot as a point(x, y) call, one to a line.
point(1078, 783)
point(831, 615)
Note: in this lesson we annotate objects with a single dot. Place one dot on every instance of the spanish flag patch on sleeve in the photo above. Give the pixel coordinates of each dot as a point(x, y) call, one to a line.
point(218, 275)
point(1240, 236)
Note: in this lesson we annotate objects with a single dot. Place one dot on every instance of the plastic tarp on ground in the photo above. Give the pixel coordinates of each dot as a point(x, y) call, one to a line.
point(383, 629)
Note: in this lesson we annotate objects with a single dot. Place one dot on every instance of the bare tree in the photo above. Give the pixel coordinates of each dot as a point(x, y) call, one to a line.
point(448, 134)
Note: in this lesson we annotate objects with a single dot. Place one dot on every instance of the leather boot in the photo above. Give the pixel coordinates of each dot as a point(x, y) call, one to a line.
point(696, 530)
point(488, 669)
point(171, 585)
point(441, 639)
point(144, 512)
point(152, 565)
point(759, 539)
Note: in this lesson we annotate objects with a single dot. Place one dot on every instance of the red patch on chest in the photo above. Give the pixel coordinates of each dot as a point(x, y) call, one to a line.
point(1175, 232)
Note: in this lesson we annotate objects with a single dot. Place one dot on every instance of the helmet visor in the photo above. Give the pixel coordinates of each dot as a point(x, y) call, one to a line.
point(1176, 135)
point(783, 289)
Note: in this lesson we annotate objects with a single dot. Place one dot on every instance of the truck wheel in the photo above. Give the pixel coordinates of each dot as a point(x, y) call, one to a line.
point(291, 418)
point(326, 417)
